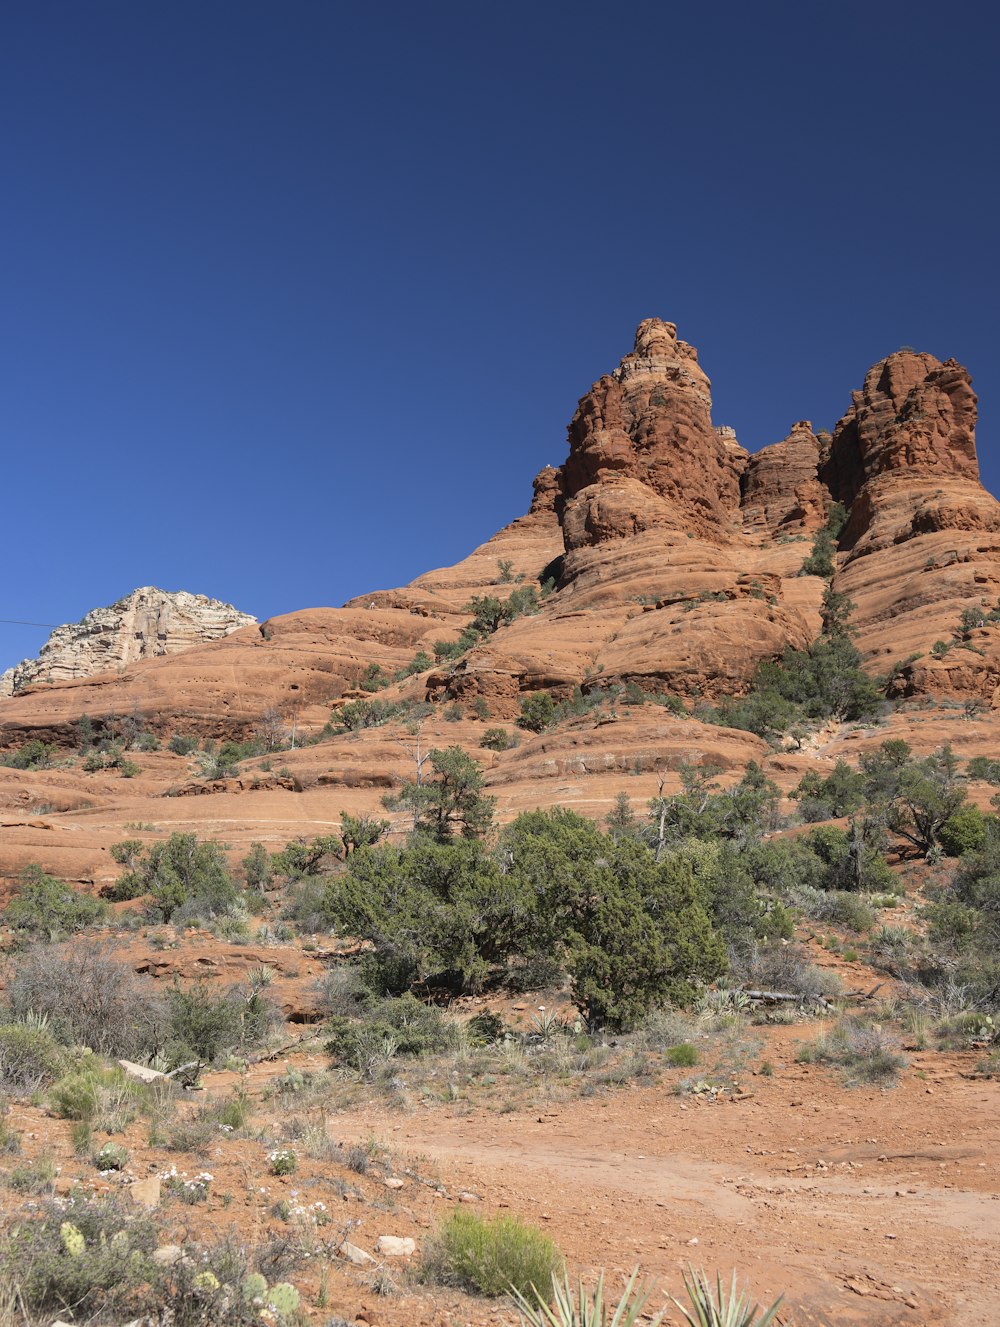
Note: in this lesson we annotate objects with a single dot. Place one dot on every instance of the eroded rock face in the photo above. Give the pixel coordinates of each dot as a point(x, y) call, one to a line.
point(914, 414)
point(643, 451)
point(781, 487)
point(146, 624)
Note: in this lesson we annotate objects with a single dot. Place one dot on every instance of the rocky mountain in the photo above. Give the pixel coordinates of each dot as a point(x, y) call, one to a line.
point(146, 624)
point(674, 558)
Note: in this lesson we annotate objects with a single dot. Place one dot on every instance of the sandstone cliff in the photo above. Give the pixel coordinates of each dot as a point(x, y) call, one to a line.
point(146, 624)
point(676, 558)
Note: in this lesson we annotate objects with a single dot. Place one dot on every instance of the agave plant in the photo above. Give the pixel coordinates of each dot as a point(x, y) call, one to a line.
point(722, 1309)
point(587, 1308)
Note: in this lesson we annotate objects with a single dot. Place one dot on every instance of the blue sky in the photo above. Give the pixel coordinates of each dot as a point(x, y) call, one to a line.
point(299, 297)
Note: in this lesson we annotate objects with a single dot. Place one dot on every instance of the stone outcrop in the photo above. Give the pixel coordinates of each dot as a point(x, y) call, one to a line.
point(781, 488)
point(643, 452)
point(146, 624)
point(673, 558)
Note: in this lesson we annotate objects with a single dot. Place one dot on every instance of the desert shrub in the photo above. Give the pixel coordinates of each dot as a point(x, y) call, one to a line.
point(181, 872)
point(537, 711)
point(343, 992)
point(81, 1257)
point(496, 739)
point(681, 1056)
point(840, 793)
point(10, 1139)
point(450, 802)
point(32, 755)
point(964, 831)
point(305, 905)
point(981, 767)
point(182, 745)
point(90, 998)
point(865, 1052)
point(785, 968)
point(301, 857)
point(257, 870)
point(852, 857)
point(89, 1091)
point(400, 1025)
point(355, 715)
point(29, 1056)
point(824, 681)
point(839, 907)
point(820, 560)
point(45, 907)
point(205, 1026)
point(489, 1257)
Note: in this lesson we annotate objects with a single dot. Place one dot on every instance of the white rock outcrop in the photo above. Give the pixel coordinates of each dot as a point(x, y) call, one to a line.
point(146, 623)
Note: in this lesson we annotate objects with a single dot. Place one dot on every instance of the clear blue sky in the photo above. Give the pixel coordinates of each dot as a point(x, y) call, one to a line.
point(299, 296)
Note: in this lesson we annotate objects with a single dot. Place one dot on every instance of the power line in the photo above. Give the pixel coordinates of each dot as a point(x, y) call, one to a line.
point(16, 622)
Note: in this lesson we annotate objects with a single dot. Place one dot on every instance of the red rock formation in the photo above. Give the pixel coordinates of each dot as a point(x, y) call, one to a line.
point(782, 491)
point(643, 452)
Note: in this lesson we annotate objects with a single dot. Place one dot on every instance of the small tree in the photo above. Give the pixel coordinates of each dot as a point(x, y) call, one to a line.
point(452, 800)
point(537, 712)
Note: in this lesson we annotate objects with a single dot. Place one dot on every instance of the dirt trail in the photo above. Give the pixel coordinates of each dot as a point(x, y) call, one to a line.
point(901, 1226)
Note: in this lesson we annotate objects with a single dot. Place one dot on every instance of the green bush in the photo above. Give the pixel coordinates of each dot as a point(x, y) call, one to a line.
point(32, 755)
point(205, 1026)
point(46, 907)
point(29, 1056)
point(491, 1257)
point(496, 739)
point(181, 873)
point(85, 1258)
point(396, 1026)
point(182, 745)
point(89, 1087)
point(682, 1056)
point(965, 831)
point(537, 711)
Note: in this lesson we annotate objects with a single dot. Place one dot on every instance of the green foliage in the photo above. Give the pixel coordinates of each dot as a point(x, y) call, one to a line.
point(400, 1025)
point(29, 1056)
point(681, 1056)
point(984, 769)
point(587, 1308)
point(374, 678)
point(358, 714)
point(431, 910)
point(722, 1308)
point(491, 1257)
point(852, 857)
point(921, 796)
point(453, 801)
point(44, 907)
point(361, 832)
point(300, 859)
point(88, 1259)
point(537, 711)
point(257, 869)
point(88, 1087)
point(820, 560)
point(822, 682)
point(840, 793)
point(32, 755)
point(205, 1026)
point(496, 739)
point(182, 745)
point(964, 831)
point(181, 875)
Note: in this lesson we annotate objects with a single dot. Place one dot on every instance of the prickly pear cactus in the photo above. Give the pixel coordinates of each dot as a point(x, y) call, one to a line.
point(206, 1281)
point(283, 1299)
point(254, 1287)
point(73, 1241)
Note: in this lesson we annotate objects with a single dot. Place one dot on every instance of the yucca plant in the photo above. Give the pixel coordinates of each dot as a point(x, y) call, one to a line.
point(722, 1309)
point(588, 1308)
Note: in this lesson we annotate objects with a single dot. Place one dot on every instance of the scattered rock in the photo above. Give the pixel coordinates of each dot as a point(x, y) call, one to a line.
point(168, 1255)
point(146, 1193)
point(395, 1246)
point(354, 1254)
